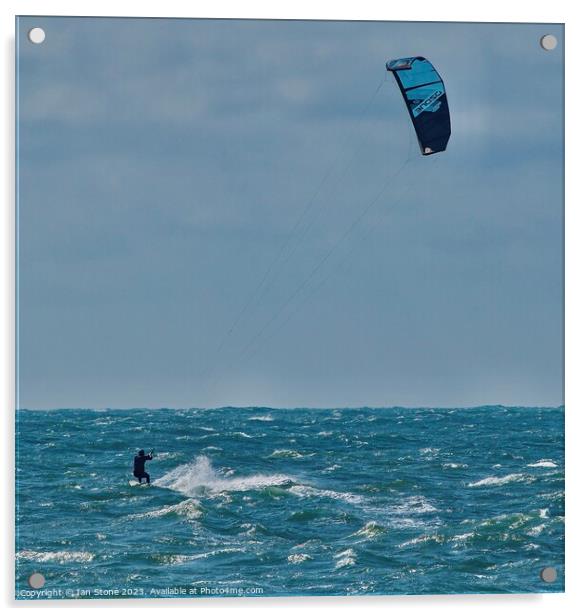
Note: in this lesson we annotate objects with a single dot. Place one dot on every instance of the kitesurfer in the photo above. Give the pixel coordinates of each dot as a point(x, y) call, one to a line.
point(139, 466)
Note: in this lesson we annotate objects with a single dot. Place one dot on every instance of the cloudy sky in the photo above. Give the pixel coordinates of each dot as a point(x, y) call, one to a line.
point(236, 213)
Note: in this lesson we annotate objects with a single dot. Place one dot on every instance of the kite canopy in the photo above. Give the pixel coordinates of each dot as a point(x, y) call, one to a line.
point(423, 91)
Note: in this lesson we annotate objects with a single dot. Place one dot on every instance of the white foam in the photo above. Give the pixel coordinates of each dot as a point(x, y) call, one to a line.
point(217, 552)
point(59, 557)
point(104, 421)
point(296, 559)
point(261, 418)
point(536, 530)
point(421, 539)
point(514, 520)
point(309, 491)
point(559, 495)
point(498, 481)
point(370, 530)
point(174, 559)
point(462, 538)
point(413, 504)
point(410, 523)
point(198, 476)
point(543, 464)
point(167, 455)
point(346, 558)
point(286, 453)
point(189, 509)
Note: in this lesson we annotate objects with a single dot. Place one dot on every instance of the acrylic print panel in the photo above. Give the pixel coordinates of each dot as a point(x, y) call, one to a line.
point(289, 308)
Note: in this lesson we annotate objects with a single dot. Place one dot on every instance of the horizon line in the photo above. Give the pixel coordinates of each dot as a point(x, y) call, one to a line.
point(295, 408)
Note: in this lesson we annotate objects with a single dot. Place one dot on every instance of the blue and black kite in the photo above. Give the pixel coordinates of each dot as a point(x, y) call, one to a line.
point(423, 91)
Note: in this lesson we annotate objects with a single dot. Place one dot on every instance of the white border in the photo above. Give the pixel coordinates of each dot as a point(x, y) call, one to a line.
point(573, 15)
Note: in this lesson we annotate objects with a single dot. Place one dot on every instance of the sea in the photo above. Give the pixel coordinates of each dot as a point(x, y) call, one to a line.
point(273, 502)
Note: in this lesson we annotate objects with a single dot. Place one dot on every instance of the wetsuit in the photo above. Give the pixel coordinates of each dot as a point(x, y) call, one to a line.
point(139, 467)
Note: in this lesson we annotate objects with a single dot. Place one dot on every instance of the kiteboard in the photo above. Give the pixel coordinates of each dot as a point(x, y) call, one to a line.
point(134, 483)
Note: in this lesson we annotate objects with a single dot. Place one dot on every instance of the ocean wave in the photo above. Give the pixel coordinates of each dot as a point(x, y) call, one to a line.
point(410, 523)
point(512, 526)
point(189, 509)
point(455, 540)
point(104, 421)
point(286, 453)
point(536, 530)
point(347, 558)
point(371, 530)
point(199, 476)
point(171, 559)
point(167, 455)
point(422, 539)
point(543, 464)
point(410, 513)
point(309, 492)
point(251, 530)
point(412, 505)
point(429, 452)
point(219, 552)
point(290, 453)
point(463, 538)
point(552, 496)
point(58, 557)
point(296, 559)
point(510, 521)
point(499, 481)
point(177, 559)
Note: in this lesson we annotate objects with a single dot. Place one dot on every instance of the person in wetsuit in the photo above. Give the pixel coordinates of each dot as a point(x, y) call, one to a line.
point(139, 466)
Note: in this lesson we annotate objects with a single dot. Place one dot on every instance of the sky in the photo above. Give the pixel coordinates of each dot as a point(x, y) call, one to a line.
point(224, 212)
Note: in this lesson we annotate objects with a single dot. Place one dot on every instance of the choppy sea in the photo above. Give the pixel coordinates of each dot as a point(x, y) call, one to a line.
point(262, 501)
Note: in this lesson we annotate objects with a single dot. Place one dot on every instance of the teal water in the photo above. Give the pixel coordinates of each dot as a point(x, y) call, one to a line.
point(288, 502)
